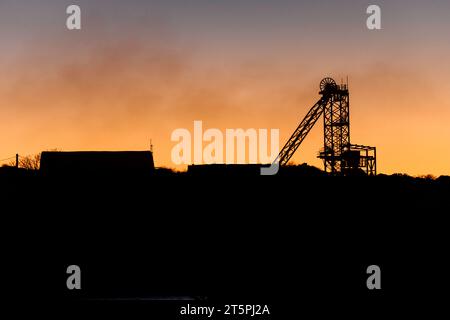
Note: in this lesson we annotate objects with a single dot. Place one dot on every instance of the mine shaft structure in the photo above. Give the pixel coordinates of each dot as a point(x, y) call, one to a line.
point(339, 156)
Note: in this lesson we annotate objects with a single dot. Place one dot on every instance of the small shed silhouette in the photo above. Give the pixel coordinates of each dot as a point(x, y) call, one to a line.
point(97, 163)
point(225, 170)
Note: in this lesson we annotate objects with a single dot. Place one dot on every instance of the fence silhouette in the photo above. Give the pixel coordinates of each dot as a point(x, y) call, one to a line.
point(8, 161)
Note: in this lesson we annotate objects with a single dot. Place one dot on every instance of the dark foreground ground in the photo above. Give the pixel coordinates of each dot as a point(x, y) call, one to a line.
point(301, 245)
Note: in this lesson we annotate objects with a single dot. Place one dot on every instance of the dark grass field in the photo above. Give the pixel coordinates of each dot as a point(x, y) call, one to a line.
point(299, 244)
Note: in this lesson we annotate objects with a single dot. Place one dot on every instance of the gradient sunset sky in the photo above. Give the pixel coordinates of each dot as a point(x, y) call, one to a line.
point(140, 69)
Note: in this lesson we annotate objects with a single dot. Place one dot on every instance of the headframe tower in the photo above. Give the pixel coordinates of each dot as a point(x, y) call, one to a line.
point(339, 156)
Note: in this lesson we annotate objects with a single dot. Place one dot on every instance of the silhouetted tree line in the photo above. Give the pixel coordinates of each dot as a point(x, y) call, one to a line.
point(31, 163)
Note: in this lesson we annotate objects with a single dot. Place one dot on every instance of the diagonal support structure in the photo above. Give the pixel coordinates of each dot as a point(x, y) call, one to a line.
point(301, 132)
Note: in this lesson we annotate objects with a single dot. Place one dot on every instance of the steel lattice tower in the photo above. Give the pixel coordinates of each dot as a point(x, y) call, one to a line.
point(336, 125)
point(338, 154)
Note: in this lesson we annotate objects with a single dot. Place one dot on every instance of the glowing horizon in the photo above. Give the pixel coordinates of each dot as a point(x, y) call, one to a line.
point(139, 71)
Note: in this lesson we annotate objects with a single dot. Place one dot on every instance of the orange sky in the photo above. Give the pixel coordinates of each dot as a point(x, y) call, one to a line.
point(115, 86)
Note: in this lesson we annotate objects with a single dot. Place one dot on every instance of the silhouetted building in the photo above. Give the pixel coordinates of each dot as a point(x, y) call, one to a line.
point(97, 163)
point(225, 170)
point(239, 170)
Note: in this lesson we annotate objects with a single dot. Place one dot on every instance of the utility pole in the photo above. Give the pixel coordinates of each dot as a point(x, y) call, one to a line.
point(17, 160)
